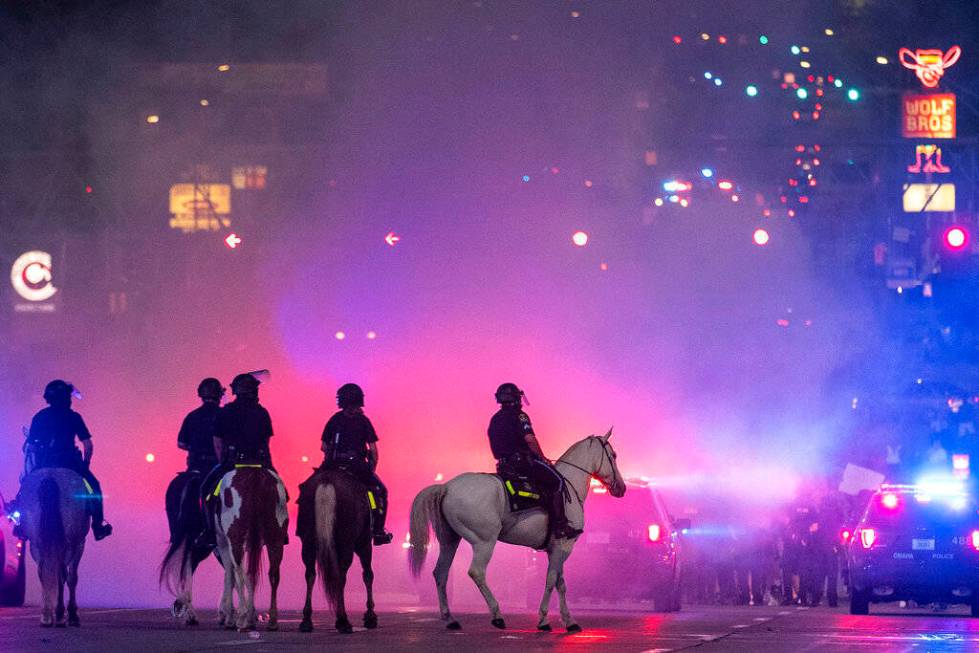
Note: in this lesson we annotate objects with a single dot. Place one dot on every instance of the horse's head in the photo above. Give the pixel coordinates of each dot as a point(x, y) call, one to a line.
point(606, 468)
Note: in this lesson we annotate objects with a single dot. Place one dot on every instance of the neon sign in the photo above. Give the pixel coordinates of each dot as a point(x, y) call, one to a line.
point(928, 116)
point(929, 65)
point(31, 276)
point(928, 159)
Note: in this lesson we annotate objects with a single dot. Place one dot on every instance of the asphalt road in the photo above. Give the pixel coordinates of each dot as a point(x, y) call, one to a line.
point(765, 629)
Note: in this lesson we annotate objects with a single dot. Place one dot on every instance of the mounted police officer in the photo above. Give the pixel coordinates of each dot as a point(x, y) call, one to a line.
point(196, 435)
point(517, 452)
point(242, 430)
point(350, 444)
point(51, 441)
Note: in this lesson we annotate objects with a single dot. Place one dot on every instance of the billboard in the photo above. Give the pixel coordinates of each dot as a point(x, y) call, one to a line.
point(922, 198)
point(32, 278)
point(928, 116)
point(200, 207)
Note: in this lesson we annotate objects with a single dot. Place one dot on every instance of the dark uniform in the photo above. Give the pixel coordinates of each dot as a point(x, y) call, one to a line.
point(346, 437)
point(508, 430)
point(196, 437)
point(53, 432)
point(245, 428)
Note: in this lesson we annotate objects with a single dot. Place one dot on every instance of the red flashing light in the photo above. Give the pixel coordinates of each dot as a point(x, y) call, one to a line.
point(653, 532)
point(722, 39)
point(975, 540)
point(678, 39)
point(867, 537)
point(956, 238)
point(889, 501)
point(845, 535)
point(88, 189)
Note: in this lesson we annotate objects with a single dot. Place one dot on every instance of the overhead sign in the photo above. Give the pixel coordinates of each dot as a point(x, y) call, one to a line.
point(200, 207)
point(926, 198)
point(33, 280)
point(928, 159)
point(928, 116)
point(929, 65)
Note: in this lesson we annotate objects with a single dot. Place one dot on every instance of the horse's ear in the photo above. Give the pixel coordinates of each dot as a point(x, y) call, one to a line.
point(609, 434)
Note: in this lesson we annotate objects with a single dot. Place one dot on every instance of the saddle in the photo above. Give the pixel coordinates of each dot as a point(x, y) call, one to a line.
point(521, 492)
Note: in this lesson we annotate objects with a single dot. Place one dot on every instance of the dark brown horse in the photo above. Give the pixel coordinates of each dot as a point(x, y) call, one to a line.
point(251, 515)
point(334, 523)
point(184, 554)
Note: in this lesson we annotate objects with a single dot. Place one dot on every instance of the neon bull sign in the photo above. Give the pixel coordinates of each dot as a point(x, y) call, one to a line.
point(929, 65)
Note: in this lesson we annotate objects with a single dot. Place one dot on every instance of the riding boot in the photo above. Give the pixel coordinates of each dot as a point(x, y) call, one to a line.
point(561, 528)
point(100, 529)
point(378, 516)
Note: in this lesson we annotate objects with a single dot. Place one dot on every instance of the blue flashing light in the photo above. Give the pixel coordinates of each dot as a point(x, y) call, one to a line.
point(717, 81)
point(763, 39)
point(708, 75)
point(852, 95)
point(801, 93)
point(795, 49)
point(751, 90)
point(526, 178)
point(707, 172)
point(674, 198)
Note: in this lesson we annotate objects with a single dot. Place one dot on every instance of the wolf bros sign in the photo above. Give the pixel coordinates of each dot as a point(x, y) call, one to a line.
point(928, 116)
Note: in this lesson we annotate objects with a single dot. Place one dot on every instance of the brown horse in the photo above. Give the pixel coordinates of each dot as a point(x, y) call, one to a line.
point(251, 513)
point(184, 554)
point(334, 523)
point(56, 522)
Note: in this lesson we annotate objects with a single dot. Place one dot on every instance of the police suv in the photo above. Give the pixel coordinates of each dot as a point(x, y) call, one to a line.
point(13, 572)
point(916, 543)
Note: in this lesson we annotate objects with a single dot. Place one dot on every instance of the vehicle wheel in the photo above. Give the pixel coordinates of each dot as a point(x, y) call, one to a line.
point(859, 602)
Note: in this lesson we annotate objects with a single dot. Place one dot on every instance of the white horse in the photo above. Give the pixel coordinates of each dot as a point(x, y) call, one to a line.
point(475, 507)
point(251, 513)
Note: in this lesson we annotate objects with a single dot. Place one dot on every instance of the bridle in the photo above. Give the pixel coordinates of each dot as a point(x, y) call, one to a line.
point(590, 474)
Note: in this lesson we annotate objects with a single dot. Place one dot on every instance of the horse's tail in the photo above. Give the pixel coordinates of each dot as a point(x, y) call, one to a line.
point(173, 569)
point(52, 530)
point(325, 501)
point(183, 533)
point(426, 509)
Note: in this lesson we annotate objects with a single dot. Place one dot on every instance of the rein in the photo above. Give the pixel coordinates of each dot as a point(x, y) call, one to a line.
point(567, 482)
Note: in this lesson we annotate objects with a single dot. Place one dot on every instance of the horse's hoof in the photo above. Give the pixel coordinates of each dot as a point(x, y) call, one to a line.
point(74, 622)
point(370, 621)
point(499, 623)
point(345, 628)
point(306, 627)
point(546, 628)
point(192, 622)
point(454, 625)
point(574, 628)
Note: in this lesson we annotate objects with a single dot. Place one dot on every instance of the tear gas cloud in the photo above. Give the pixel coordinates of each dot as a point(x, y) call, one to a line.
point(484, 154)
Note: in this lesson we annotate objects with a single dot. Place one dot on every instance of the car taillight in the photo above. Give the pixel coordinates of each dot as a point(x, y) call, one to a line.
point(975, 540)
point(889, 501)
point(653, 532)
point(867, 537)
point(845, 535)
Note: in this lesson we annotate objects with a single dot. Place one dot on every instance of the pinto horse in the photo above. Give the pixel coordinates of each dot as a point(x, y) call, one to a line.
point(474, 507)
point(251, 513)
point(183, 553)
point(334, 523)
point(56, 522)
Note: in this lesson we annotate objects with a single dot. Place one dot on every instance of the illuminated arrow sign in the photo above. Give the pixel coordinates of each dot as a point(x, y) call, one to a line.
point(232, 241)
point(391, 239)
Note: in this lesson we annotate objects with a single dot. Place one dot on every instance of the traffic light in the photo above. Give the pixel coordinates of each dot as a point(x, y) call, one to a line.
point(955, 238)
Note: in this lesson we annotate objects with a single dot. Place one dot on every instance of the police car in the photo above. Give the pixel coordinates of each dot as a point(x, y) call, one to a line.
point(631, 550)
point(13, 571)
point(916, 543)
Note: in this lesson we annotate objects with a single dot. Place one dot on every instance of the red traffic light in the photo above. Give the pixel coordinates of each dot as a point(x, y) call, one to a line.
point(956, 238)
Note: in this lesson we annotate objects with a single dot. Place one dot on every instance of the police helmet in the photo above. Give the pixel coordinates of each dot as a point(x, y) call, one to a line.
point(509, 393)
point(210, 388)
point(58, 392)
point(350, 396)
point(244, 384)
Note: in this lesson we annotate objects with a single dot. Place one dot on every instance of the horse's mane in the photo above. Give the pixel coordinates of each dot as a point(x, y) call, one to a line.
point(575, 446)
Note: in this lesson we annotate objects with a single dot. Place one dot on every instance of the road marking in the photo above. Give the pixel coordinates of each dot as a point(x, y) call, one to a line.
point(762, 619)
point(784, 612)
point(239, 642)
point(740, 625)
